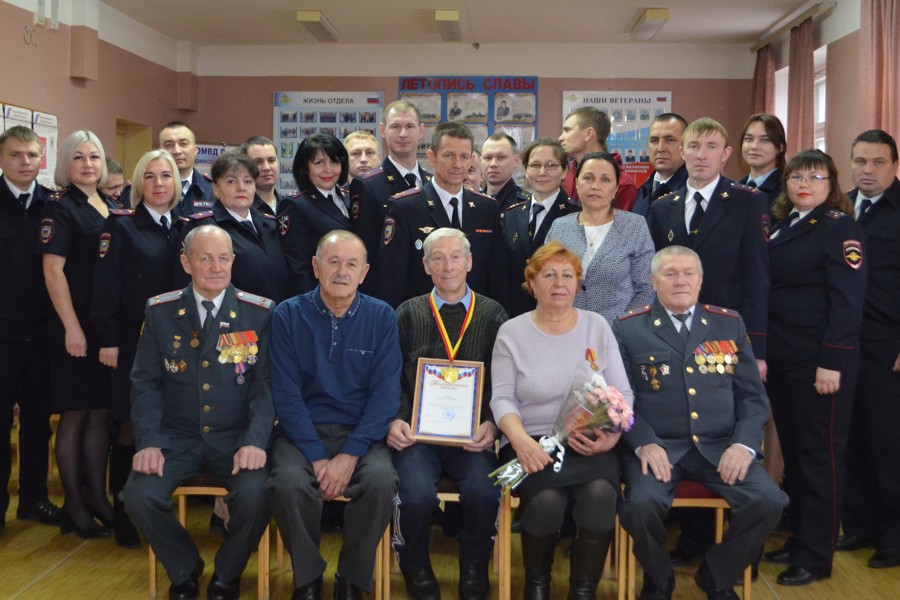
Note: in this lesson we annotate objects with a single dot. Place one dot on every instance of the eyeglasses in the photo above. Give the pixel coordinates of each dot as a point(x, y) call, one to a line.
point(815, 177)
point(550, 167)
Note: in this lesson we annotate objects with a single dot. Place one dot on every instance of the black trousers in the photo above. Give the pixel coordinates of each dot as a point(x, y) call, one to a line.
point(872, 493)
point(25, 381)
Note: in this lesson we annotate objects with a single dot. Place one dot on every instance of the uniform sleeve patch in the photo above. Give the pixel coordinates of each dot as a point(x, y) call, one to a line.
point(853, 254)
point(284, 224)
point(388, 234)
point(103, 247)
point(48, 229)
point(766, 227)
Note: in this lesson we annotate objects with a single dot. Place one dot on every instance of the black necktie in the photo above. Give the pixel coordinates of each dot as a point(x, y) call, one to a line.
point(454, 217)
point(23, 198)
point(791, 217)
point(248, 225)
point(210, 306)
point(411, 180)
point(694, 227)
point(751, 184)
point(684, 332)
point(864, 206)
point(536, 208)
point(185, 184)
point(164, 222)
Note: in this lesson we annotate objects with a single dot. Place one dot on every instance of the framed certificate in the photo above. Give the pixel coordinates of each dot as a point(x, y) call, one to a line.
point(447, 401)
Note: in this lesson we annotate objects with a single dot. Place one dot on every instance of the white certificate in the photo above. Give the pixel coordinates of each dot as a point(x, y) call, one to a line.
point(447, 401)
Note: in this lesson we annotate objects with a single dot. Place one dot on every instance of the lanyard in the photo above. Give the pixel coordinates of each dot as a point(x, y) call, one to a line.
point(451, 350)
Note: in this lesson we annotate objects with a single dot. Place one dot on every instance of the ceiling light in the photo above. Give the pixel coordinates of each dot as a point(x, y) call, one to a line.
point(651, 21)
point(320, 27)
point(447, 22)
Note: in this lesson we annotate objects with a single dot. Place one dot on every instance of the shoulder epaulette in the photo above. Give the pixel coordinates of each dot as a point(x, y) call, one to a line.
point(512, 206)
point(268, 216)
point(406, 193)
point(47, 189)
point(255, 300)
point(483, 195)
point(372, 173)
point(207, 177)
point(718, 310)
point(122, 212)
point(836, 214)
point(58, 194)
point(522, 195)
point(165, 298)
point(200, 215)
point(671, 196)
point(745, 188)
point(635, 312)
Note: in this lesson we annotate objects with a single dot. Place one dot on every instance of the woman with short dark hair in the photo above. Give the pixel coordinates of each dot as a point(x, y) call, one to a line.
point(321, 167)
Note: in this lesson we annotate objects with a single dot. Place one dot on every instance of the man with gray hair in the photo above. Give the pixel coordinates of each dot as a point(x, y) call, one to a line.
point(336, 384)
point(451, 322)
point(699, 411)
point(202, 404)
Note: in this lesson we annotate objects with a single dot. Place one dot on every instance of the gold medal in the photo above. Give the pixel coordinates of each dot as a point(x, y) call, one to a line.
point(728, 359)
point(450, 374)
point(195, 342)
point(653, 371)
point(182, 367)
point(223, 359)
point(720, 369)
point(699, 359)
point(254, 349)
point(734, 359)
point(654, 383)
point(729, 369)
point(703, 369)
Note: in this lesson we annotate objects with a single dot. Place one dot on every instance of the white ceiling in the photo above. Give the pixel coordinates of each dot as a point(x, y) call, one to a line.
point(261, 22)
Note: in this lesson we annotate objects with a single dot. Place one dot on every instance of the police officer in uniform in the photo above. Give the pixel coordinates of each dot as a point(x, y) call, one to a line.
point(320, 168)
point(443, 202)
point(699, 412)
point(815, 310)
point(135, 260)
point(262, 151)
point(196, 188)
point(402, 131)
point(669, 172)
point(202, 404)
point(259, 266)
point(526, 223)
point(23, 326)
point(872, 499)
point(499, 159)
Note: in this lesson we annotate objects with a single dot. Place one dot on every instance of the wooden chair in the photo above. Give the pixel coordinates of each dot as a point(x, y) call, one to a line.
point(206, 485)
point(688, 494)
point(504, 544)
point(382, 559)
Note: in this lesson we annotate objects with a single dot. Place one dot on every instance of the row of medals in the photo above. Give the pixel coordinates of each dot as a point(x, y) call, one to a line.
point(722, 362)
point(239, 354)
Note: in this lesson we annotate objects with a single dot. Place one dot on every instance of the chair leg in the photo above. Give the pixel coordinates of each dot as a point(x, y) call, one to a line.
point(504, 535)
point(262, 576)
point(279, 549)
point(152, 573)
point(748, 582)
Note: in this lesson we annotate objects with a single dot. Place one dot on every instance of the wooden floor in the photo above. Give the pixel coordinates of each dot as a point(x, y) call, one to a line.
point(37, 563)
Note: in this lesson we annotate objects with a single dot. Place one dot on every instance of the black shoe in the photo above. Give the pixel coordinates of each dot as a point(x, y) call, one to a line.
point(681, 558)
point(127, 535)
point(884, 558)
point(421, 584)
point(781, 556)
point(473, 582)
point(704, 580)
point(188, 589)
point(43, 510)
point(846, 543)
point(794, 576)
point(344, 590)
point(85, 531)
point(223, 590)
point(217, 525)
point(310, 591)
point(651, 591)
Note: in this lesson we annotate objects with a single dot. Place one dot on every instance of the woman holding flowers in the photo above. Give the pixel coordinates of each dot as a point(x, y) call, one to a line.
point(538, 359)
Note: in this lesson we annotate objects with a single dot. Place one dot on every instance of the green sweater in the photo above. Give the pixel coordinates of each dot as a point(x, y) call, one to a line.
point(419, 337)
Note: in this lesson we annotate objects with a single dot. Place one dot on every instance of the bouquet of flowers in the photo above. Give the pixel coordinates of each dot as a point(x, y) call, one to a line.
point(591, 405)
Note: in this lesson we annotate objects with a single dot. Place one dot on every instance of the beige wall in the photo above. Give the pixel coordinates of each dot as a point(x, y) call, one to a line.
point(842, 102)
point(233, 108)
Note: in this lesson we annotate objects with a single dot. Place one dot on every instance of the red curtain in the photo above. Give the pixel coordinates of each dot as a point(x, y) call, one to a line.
point(762, 94)
point(801, 78)
point(879, 63)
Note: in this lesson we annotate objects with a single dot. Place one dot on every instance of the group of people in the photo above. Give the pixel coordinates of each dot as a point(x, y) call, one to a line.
point(712, 306)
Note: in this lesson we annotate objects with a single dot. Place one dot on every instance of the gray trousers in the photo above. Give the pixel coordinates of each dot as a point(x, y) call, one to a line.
point(297, 506)
point(148, 501)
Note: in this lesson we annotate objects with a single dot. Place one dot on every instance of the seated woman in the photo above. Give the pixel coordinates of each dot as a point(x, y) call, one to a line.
point(528, 391)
